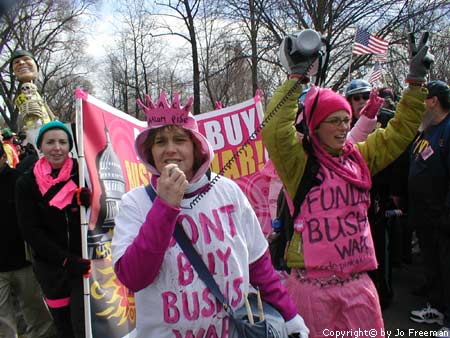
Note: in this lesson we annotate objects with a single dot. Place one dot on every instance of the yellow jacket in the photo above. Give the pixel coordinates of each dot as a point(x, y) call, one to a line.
point(381, 147)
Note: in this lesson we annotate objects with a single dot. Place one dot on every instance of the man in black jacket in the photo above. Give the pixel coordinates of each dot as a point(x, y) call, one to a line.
point(429, 203)
point(17, 281)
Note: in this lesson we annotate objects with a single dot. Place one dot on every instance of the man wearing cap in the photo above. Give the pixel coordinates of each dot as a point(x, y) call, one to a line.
point(10, 148)
point(24, 66)
point(429, 196)
point(35, 112)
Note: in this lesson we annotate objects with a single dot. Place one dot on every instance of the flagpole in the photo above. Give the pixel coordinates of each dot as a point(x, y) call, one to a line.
point(350, 67)
point(83, 216)
point(351, 59)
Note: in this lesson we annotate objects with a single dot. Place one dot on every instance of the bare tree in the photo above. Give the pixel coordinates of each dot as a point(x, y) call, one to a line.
point(249, 16)
point(51, 31)
point(187, 11)
point(337, 20)
point(136, 64)
point(441, 50)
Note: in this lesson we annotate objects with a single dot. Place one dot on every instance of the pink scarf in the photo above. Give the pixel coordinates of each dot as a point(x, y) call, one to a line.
point(334, 163)
point(42, 170)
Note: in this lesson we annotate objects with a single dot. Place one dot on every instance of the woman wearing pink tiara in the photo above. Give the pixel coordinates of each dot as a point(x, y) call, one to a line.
point(330, 247)
point(171, 299)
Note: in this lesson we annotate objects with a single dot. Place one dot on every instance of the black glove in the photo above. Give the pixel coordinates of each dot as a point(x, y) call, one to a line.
point(84, 197)
point(298, 52)
point(420, 59)
point(77, 266)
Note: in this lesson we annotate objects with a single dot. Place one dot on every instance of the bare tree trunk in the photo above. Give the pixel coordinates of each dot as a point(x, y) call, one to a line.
point(253, 41)
point(195, 63)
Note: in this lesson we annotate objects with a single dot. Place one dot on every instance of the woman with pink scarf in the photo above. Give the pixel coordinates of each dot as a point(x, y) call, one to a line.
point(331, 247)
point(48, 210)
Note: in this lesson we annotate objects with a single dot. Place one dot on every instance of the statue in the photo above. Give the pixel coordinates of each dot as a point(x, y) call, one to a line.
point(35, 112)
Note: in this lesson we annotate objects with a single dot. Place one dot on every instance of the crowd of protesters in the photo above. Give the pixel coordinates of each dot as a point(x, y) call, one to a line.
point(379, 171)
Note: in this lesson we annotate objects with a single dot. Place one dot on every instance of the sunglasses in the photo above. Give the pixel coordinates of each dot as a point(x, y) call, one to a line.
point(337, 121)
point(364, 96)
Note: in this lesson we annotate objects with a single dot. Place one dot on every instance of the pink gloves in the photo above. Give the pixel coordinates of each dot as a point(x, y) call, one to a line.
point(373, 105)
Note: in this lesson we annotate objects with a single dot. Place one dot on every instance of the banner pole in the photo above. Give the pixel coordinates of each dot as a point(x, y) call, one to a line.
point(83, 217)
point(351, 60)
point(350, 66)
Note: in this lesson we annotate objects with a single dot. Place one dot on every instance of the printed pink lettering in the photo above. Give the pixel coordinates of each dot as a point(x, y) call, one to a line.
point(170, 311)
point(229, 209)
point(236, 287)
point(195, 312)
point(194, 231)
point(210, 300)
point(211, 333)
point(194, 305)
point(208, 225)
point(185, 271)
point(189, 333)
point(225, 327)
point(211, 263)
point(226, 292)
point(223, 256)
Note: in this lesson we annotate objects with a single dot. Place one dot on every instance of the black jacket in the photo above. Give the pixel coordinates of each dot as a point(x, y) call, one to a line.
point(12, 246)
point(52, 233)
point(429, 176)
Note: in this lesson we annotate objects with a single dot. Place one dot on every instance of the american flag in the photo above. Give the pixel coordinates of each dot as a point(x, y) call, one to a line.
point(366, 43)
point(376, 73)
point(381, 57)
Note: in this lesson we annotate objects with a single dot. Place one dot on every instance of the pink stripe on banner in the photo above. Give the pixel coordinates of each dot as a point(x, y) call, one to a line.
point(57, 303)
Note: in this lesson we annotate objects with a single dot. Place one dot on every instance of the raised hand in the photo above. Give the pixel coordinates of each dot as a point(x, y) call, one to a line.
point(299, 51)
point(172, 184)
point(420, 59)
point(373, 105)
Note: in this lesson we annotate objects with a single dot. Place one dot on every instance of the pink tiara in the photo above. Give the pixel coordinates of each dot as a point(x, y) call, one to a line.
point(161, 113)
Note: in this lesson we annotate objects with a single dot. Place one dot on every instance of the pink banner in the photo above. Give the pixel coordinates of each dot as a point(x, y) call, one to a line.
point(230, 129)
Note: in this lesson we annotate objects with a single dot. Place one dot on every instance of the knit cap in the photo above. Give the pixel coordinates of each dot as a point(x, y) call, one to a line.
point(7, 133)
point(53, 125)
point(322, 102)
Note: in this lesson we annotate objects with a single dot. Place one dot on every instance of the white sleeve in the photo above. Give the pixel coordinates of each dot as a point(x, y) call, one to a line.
point(128, 221)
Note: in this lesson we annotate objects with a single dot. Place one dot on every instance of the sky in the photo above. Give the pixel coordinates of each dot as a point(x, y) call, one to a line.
point(103, 23)
point(103, 28)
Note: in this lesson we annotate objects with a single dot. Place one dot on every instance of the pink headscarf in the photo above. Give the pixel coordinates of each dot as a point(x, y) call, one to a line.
point(320, 103)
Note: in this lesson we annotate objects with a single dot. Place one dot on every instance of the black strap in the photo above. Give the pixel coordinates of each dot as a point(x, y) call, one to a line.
point(194, 258)
point(197, 262)
point(54, 190)
point(308, 180)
